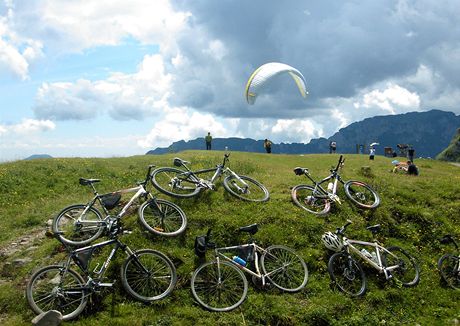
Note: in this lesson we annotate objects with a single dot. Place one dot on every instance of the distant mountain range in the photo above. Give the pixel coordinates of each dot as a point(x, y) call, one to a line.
point(428, 132)
point(37, 156)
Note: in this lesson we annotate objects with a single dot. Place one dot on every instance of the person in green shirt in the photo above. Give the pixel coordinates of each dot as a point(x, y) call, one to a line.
point(208, 140)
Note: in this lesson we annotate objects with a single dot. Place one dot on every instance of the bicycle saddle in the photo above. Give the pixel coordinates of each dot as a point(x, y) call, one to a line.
point(300, 171)
point(374, 228)
point(85, 182)
point(179, 162)
point(251, 229)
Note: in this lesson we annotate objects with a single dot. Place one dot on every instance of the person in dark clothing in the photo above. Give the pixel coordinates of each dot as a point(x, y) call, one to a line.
point(410, 154)
point(208, 140)
point(268, 145)
point(412, 168)
point(332, 147)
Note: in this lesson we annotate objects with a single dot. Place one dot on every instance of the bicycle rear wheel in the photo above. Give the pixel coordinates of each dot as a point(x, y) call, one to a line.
point(347, 274)
point(78, 225)
point(219, 286)
point(302, 196)
point(148, 275)
point(162, 217)
point(51, 288)
point(448, 267)
point(361, 194)
point(175, 182)
point(254, 191)
point(284, 268)
point(408, 272)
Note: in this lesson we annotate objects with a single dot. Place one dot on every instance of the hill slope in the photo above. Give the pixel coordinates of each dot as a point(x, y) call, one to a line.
point(429, 132)
point(452, 152)
point(415, 211)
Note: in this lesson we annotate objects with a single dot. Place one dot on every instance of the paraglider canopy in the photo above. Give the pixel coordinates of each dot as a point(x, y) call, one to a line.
point(264, 73)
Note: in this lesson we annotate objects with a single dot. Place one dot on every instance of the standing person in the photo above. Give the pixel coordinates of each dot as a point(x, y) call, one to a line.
point(410, 154)
point(332, 147)
point(208, 140)
point(371, 153)
point(268, 145)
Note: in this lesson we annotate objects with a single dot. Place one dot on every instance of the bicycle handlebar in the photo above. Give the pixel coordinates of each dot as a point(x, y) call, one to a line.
point(341, 230)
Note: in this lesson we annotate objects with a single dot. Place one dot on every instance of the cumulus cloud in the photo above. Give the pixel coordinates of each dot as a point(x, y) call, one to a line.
point(17, 53)
point(181, 123)
point(27, 126)
point(122, 96)
point(394, 99)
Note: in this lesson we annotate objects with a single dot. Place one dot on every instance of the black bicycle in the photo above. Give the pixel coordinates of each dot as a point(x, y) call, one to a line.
point(80, 224)
point(449, 264)
point(147, 275)
point(317, 200)
point(185, 184)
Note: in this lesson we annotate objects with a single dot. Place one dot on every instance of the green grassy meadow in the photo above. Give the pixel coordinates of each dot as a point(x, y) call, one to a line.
point(414, 213)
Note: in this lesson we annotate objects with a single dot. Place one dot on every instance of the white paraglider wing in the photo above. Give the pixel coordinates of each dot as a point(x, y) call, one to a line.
point(264, 73)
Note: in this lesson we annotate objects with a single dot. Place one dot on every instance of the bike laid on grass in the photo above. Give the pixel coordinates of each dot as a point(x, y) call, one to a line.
point(147, 275)
point(317, 199)
point(449, 264)
point(347, 273)
point(187, 183)
point(220, 285)
point(82, 223)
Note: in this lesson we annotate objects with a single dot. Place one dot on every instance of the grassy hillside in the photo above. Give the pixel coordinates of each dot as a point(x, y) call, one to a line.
point(452, 152)
point(415, 211)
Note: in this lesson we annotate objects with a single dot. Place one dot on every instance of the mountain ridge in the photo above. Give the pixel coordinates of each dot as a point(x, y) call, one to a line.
point(429, 132)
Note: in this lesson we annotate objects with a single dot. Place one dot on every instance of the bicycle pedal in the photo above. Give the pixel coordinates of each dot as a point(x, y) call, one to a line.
point(106, 285)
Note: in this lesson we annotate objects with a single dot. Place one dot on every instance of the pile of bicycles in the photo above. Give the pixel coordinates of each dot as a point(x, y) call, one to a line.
point(219, 284)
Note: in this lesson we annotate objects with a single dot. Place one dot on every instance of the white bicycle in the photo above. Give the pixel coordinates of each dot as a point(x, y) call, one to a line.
point(347, 273)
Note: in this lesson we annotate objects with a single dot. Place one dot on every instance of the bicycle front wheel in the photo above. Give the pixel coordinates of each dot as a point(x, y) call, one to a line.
point(252, 190)
point(407, 271)
point(347, 274)
point(284, 268)
point(302, 196)
point(148, 275)
point(219, 286)
point(162, 217)
point(53, 288)
point(175, 182)
point(78, 225)
point(449, 269)
point(361, 194)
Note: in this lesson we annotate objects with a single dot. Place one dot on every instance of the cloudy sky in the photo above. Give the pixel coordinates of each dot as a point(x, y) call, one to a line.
point(117, 78)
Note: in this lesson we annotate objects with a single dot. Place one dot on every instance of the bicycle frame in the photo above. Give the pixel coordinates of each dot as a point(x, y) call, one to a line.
point(378, 265)
point(219, 170)
point(100, 273)
point(330, 194)
point(218, 253)
point(140, 191)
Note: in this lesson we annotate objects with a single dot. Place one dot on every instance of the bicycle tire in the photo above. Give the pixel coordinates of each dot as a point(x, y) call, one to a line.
point(344, 270)
point(401, 273)
point(211, 294)
point(302, 196)
point(275, 262)
point(359, 198)
point(162, 217)
point(44, 292)
point(75, 234)
point(162, 180)
point(448, 266)
point(148, 275)
point(260, 195)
